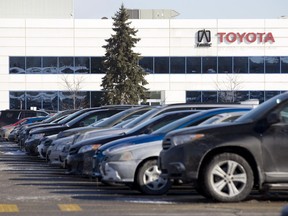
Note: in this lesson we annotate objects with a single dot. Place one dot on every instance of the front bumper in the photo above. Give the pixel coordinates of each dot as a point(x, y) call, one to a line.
point(118, 171)
point(74, 163)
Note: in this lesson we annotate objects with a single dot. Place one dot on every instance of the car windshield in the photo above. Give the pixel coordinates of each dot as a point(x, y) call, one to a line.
point(263, 109)
point(174, 125)
point(111, 119)
point(141, 118)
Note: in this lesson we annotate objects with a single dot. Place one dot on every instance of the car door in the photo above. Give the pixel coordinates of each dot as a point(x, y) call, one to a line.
point(275, 147)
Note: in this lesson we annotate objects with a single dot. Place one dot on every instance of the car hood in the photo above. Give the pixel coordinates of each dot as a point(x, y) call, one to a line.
point(49, 129)
point(134, 140)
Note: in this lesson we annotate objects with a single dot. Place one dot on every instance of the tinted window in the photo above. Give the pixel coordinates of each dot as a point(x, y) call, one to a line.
point(82, 65)
point(256, 65)
point(161, 65)
point(147, 64)
point(50, 65)
point(209, 64)
point(17, 65)
point(193, 64)
point(33, 65)
point(177, 65)
point(240, 65)
point(66, 65)
point(96, 65)
point(284, 64)
point(272, 64)
point(225, 65)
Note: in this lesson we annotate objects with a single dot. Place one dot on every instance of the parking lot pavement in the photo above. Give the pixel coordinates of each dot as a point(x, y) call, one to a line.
point(29, 186)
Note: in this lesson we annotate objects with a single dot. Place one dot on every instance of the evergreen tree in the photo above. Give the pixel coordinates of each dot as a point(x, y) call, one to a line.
point(124, 80)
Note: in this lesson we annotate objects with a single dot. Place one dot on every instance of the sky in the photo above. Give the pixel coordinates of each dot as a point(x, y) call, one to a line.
point(187, 9)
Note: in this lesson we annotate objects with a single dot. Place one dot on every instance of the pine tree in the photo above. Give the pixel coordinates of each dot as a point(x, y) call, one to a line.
point(124, 80)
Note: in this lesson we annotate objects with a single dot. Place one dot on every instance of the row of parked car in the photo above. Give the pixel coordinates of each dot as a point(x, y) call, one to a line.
point(215, 147)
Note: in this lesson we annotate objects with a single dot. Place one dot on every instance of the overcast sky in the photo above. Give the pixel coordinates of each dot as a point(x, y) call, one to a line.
point(187, 9)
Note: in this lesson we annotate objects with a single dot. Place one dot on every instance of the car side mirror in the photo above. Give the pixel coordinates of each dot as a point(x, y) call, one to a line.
point(273, 118)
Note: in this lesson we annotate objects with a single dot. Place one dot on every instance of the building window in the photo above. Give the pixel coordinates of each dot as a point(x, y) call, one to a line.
point(193, 64)
point(50, 65)
point(161, 65)
point(147, 64)
point(17, 65)
point(284, 64)
point(272, 64)
point(96, 65)
point(256, 65)
point(177, 65)
point(17, 100)
point(82, 65)
point(240, 65)
point(193, 97)
point(66, 65)
point(225, 65)
point(209, 97)
point(209, 64)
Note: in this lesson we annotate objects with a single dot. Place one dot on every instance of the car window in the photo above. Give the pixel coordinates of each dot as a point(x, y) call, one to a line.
point(284, 114)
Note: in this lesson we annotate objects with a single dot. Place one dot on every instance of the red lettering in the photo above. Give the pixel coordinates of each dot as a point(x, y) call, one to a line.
point(269, 37)
point(231, 37)
point(251, 37)
point(221, 34)
point(241, 36)
point(261, 36)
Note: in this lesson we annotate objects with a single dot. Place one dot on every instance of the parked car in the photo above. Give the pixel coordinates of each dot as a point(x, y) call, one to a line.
point(134, 161)
point(70, 135)
point(82, 120)
point(86, 148)
point(24, 130)
point(12, 133)
point(10, 116)
point(226, 162)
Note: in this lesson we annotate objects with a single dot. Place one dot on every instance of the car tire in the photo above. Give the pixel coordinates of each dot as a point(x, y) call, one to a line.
point(149, 181)
point(228, 177)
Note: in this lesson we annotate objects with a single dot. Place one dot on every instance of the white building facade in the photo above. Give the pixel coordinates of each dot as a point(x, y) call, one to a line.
point(187, 60)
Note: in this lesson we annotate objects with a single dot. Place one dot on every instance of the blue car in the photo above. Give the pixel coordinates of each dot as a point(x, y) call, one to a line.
point(155, 138)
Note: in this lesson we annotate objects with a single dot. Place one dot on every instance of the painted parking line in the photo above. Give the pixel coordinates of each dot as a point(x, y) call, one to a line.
point(8, 208)
point(69, 207)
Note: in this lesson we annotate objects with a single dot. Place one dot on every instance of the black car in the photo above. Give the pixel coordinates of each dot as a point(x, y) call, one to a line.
point(82, 120)
point(86, 148)
point(225, 162)
point(11, 116)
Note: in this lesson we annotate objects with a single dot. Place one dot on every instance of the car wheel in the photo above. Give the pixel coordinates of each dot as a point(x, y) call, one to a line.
point(149, 180)
point(228, 178)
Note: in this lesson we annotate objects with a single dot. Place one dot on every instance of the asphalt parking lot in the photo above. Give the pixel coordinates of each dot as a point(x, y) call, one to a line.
point(29, 186)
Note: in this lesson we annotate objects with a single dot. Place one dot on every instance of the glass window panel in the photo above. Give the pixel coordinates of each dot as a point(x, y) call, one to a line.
point(257, 95)
point(225, 65)
point(96, 98)
point(50, 65)
point(34, 99)
point(227, 96)
point(193, 64)
point(161, 65)
point(17, 65)
point(66, 65)
point(256, 64)
point(50, 100)
point(96, 65)
point(272, 64)
point(209, 97)
point(17, 100)
point(193, 97)
point(69, 100)
point(242, 96)
point(240, 65)
point(209, 64)
point(284, 64)
point(147, 64)
point(82, 65)
point(270, 94)
point(33, 65)
point(177, 65)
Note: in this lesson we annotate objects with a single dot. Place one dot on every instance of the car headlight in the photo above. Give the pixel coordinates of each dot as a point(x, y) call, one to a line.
point(181, 139)
point(38, 135)
point(124, 156)
point(87, 148)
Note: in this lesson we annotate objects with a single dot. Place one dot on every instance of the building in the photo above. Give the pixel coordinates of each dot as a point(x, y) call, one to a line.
point(211, 60)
